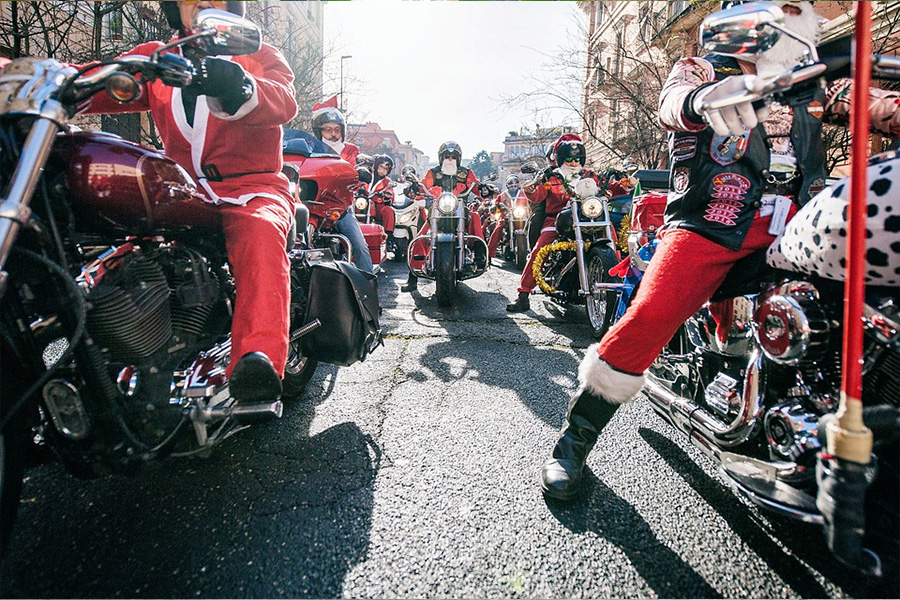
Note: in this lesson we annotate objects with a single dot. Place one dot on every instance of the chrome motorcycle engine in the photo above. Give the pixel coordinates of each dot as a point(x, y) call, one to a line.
point(128, 298)
point(791, 326)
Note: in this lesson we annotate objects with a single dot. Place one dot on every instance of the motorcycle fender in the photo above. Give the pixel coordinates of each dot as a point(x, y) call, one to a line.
point(445, 238)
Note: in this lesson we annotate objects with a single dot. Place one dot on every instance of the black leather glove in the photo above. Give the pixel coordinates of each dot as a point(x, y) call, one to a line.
point(222, 79)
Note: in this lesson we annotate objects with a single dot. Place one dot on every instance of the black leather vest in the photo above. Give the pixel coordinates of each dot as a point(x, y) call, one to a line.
point(716, 182)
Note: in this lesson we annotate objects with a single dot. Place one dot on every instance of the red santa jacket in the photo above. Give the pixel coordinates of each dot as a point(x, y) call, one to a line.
point(380, 191)
point(350, 152)
point(234, 157)
point(556, 192)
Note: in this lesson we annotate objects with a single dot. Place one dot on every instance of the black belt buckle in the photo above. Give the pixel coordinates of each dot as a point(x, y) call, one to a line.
point(212, 173)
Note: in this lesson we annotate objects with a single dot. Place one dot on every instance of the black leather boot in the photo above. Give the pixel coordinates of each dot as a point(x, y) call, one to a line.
point(254, 380)
point(562, 473)
point(411, 285)
point(521, 304)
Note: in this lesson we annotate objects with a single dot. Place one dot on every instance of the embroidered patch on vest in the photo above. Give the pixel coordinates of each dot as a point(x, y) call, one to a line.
point(728, 149)
point(680, 179)
point(727, 198)
point(462, 175)
point(684, 148)
point(816, 109)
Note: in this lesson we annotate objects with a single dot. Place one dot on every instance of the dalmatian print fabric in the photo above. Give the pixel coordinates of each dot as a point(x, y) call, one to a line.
point(815, 240)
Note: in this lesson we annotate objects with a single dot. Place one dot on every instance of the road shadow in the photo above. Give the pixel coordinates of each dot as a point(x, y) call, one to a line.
point(273, 512)
point(805, 541)
point(606, 514)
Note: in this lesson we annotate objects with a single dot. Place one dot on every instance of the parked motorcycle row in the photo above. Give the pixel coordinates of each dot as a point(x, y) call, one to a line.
point(116, 300)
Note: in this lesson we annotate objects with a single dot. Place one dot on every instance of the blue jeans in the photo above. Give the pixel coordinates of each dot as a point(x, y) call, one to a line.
point(348, 226)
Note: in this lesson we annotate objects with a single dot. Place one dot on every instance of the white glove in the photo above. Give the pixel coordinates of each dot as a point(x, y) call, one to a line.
point(732, 119)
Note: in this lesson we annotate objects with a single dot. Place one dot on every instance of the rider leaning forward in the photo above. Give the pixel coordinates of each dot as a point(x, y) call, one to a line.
point(225, 128)
point(553, 188)
point(736, 177)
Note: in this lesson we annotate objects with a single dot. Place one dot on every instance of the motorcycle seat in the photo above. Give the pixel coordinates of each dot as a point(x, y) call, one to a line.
point(746, 276)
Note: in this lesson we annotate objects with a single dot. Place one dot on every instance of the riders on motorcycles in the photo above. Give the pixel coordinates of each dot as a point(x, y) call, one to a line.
point(736, 177)
point(554, 190)
point(235, 155)
point(381, 195)
point(508, 199)
point(329, 126)
point(449, 176)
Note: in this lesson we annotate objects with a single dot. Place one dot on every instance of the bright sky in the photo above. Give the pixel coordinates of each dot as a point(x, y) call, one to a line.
point(434, 70)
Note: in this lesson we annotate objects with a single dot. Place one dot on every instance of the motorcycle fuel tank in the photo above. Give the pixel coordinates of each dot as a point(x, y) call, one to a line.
point(117, 185)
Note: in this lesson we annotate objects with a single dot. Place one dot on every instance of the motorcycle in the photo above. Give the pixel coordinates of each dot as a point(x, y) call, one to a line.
point(444, 254)
point(364, 211)
point(575, 269)
point(409, 217)
point(325, 184)
point(754, 378)
point(514, 239)
point(115, 289)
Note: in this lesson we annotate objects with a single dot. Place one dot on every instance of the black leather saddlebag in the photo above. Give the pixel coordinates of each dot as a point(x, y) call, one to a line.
point(345, 301)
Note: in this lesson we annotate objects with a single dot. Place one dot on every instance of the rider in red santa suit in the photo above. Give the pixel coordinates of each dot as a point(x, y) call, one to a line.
point(553, 188)
point(225, 128)
point(737, 175)
point(329, 126)
point(508, 198)
point(381, 194)
point(449, 176)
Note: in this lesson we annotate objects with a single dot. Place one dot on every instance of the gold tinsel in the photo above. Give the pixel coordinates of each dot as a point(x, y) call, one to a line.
point(542, 255)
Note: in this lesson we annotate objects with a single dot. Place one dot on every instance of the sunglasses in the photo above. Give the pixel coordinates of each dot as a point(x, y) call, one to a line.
point(572, 159)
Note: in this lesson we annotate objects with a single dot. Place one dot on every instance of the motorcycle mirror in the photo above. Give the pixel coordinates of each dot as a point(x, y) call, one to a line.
point(528, 168)
point(630, 168)
point(227, 33)
point(493, 176)
point(748, 28)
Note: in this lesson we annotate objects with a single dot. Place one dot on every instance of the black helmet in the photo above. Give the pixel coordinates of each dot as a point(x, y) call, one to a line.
point(382, 159)
point(570, 149)
point(328, 115)
point(173, 15)
point(448, 150)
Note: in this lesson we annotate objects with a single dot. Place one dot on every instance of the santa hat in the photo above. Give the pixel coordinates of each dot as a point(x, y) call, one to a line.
point(566, 137)
point(320, 107)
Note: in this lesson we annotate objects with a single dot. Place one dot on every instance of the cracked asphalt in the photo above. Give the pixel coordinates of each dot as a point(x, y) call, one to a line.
point(414, 475)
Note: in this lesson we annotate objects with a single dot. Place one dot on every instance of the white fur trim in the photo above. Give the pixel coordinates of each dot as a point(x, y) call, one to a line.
point(595, 375)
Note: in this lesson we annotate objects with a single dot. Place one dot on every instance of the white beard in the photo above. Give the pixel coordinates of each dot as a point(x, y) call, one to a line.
point(569, 173)
point(787, 52)
point(448, 167)
point(336, 146)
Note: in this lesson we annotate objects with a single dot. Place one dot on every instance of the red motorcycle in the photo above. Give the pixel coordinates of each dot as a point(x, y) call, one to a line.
point(115, 289)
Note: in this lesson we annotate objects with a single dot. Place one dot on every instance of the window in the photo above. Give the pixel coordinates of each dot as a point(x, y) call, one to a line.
point(114, 22)
point(678, 7)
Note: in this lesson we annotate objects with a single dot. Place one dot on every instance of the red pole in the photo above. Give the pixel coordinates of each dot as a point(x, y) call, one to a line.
point(850, 439)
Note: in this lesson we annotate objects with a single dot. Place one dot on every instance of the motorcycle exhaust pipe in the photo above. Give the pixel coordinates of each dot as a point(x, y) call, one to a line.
point(245, 413)
point(690, 417)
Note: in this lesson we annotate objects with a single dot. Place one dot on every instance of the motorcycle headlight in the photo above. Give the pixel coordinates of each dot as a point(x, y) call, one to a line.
point(592, 207)
point(520, 212)
point(362, 204)
point(447, 204)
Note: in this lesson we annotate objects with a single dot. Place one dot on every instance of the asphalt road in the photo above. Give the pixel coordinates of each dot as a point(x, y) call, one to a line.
point(414, 475)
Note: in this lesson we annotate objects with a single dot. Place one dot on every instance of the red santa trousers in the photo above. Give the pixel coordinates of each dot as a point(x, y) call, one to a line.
point(256, 238)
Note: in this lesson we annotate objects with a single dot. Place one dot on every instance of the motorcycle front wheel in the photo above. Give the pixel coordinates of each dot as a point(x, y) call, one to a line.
point(444, 274)
point(599, 261)
point(400, 249)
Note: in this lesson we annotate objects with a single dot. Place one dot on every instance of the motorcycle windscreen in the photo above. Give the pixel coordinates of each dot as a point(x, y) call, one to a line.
point(815, 240)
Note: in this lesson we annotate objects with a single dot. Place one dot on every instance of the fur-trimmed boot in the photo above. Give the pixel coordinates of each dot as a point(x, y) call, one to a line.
point(602, 391)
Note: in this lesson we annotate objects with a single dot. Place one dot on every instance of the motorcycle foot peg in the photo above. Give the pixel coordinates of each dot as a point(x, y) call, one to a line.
point(262, 411)
point(245, 413)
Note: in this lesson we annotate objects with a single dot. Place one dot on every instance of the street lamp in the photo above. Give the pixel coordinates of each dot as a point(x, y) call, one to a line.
point(341, 102)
